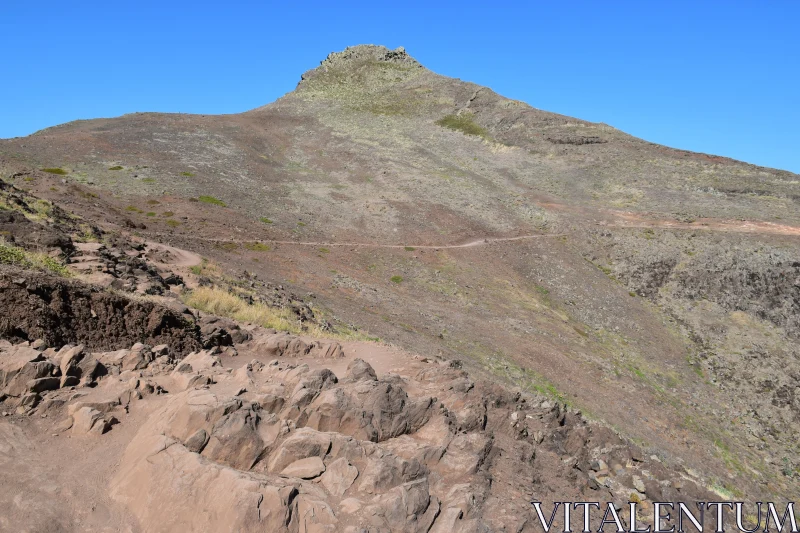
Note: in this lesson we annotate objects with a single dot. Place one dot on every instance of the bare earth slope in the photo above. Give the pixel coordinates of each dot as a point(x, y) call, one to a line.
point(654, 289)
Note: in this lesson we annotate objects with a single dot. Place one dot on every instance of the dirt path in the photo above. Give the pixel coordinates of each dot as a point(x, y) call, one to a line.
point(164, 254)
point(470, 244)
point(632, 220)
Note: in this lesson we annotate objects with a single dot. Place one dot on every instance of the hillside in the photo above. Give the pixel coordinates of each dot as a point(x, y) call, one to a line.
point(655, 290)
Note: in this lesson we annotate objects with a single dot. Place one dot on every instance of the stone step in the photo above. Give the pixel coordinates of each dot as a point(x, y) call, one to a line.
point(88, 267)
point(89, 246)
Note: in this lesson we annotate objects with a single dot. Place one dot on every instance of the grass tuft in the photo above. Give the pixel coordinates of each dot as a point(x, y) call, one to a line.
point(465, 123)
point(396, 279)
point(59, 171)
point(257, 247)
point(219, 302)
point(13, 255)
point(265, 220)
point(115, 167)
point(211, 200)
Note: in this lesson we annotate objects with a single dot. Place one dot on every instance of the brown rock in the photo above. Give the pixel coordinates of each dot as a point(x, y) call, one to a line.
point(301, 444)
point(360, 370)
point(339, 476)
point(307, 468)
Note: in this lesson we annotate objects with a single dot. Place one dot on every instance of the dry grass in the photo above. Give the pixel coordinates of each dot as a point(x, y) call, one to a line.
point(223, 303)
point(13, 255)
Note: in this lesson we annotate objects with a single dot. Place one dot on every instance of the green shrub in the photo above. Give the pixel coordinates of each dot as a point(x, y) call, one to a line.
point(464, 123)
point(115, 167)
point(324, 250)
point(257, 247)
point(396, 279)
point(12, 255)
point(133, 209)
point(409, 248)
point(60, 171)
point(211, 200)
point(153, 202)
point(173, 223)
point(187, 174)
point(265, 220)
point(167, 214)
point(150, 214)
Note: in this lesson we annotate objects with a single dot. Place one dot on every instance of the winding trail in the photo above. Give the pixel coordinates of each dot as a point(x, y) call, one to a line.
point(470, 244)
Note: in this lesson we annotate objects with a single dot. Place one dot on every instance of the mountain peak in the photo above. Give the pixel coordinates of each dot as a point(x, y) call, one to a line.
point(357, 57)
point(368, 52)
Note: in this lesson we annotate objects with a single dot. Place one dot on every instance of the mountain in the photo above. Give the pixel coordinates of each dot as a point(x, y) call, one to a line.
point(655, 290)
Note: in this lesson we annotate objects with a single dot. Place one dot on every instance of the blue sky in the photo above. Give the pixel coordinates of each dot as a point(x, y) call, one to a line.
point(715, 77)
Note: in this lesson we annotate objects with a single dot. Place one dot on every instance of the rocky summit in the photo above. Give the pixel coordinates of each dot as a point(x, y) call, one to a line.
point(388, 301)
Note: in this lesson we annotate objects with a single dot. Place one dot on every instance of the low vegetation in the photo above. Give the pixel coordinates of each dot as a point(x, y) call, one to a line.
point(55, 170)
point(220, 302)
point(115, 167)
point(187, 174)
point(13, 255)
point(396, 279)
point(211, 200)
point(465, 123)
point(223, 303)
point(257, 247)
point(265, 220)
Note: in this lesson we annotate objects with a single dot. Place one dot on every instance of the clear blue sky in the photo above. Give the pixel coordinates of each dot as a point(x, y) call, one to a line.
point(716, 77)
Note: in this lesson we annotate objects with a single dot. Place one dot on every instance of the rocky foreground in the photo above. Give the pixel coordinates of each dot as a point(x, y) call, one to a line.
point(283, 433)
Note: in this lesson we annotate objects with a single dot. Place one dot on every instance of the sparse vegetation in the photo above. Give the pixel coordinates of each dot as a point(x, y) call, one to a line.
point(188, 175)
point(409, 248)
point(324, 250)
point(396, 279)
point(173, 223)
point(265, 220)
point(167, 214)
point(133, 209)
point(257, 247)
point(150, 214)
point(211, 200)
point(55, 170)
point(465, 123)
point(115, 167)
point(223, 303)
point(13, 255)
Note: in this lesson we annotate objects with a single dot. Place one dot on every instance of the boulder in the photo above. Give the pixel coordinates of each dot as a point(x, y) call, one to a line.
point(43, 384)
point(360, 370)
point(301, 444)
point(307, 468)
point(87, 420)
point(18, 385)
point(339, 476)
point(69, 359)
point(197, 441)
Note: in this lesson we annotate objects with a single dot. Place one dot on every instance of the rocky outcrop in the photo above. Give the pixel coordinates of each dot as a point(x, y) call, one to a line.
point(59, 311)
point(293, 448)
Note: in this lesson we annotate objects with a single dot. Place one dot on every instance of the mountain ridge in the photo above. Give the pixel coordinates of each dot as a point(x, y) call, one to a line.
point(665, 283)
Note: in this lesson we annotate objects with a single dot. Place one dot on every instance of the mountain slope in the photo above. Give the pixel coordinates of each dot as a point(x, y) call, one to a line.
point(613, 300)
